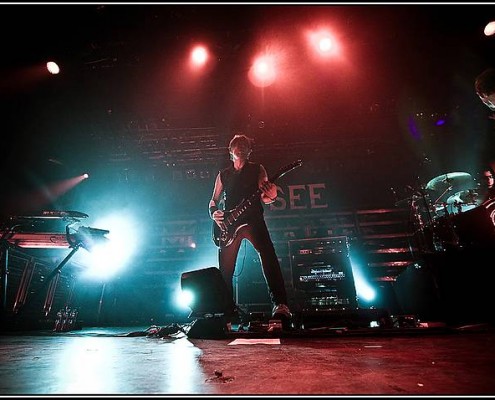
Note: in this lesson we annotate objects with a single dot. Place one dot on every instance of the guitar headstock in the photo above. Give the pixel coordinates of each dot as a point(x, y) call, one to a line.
point(297, 163)
point(287, 168)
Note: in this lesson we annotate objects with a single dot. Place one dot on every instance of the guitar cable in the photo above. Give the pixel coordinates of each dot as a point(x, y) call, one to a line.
point(243, 262)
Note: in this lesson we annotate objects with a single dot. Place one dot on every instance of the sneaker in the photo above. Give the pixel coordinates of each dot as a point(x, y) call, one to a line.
point(281, 311)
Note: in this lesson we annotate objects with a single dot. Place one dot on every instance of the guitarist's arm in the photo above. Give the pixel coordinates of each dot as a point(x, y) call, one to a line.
point(215, 213)
point(268, 189)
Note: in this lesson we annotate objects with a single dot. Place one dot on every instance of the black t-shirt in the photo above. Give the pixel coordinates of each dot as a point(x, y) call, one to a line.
point(241, 185)
point(490, 194)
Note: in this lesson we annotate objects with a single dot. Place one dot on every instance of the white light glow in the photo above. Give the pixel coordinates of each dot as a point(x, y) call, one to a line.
point(490, 28)
point(184, 298)
point(263, 71)
point(363, 289)
point(199, 55)
point(52, 67)
point(323, 43)
point(106, 259)
point(87, 366)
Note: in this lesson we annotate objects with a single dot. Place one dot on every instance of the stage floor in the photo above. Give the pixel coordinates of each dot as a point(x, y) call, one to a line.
point(165, 361)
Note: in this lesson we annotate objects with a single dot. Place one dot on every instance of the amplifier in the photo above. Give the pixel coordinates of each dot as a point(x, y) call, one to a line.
point(322, 273)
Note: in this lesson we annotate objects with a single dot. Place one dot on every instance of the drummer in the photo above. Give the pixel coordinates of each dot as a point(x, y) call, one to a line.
point(487, 189)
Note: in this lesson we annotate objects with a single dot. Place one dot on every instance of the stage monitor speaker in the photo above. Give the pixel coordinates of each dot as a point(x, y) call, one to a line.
point(210, 292)
point(208, 328)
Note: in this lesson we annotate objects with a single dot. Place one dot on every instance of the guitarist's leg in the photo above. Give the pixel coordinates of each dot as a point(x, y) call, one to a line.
point(260, 238)
point(227, 257)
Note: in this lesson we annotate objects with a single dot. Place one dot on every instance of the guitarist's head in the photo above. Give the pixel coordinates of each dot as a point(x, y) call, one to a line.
point(240, 147)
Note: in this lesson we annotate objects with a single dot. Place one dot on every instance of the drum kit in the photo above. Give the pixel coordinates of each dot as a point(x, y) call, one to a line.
point(436, 205)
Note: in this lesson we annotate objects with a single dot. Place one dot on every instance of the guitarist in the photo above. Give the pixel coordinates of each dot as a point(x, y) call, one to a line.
point(233, 184)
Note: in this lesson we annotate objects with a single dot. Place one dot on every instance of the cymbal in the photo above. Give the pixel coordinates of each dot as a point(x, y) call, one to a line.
point(463, 197)
point(442, 182)
point(404, 202)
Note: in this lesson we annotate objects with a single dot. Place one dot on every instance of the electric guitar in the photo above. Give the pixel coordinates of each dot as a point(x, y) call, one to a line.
point(225, 234)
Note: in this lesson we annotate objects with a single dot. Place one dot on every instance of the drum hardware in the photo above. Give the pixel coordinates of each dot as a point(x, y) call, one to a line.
point(441, 207)
point(418, 203)
point(434, 228)
point(461, 183)
point(443, 193)
point(417, 216)
point(462, 199)
point(421, 216)
point(458, 206)
point(464, 196)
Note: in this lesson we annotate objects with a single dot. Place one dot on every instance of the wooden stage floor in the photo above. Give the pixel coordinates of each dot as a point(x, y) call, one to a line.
point(170, 361)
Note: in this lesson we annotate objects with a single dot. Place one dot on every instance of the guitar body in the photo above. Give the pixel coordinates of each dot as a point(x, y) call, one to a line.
point(225, 234)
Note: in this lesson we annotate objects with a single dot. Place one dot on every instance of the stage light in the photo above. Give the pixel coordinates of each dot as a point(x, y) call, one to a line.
point(90, 237)
point(364, 289)
point(112, 256)
point(199, 56)
point(52, 67)
point(185, 298)
point(323, 43)
point(490, 29)
point(263, 71)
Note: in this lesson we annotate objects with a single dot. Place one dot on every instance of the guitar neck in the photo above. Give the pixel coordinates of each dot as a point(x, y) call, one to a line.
point(256, 195)
point(247, 202)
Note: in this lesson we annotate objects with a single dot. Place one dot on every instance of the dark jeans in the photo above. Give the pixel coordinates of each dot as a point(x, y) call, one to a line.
point(257, 233)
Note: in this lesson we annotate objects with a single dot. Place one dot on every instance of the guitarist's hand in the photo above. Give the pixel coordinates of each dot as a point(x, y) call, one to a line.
point(269, 190)
point(218, 217)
